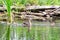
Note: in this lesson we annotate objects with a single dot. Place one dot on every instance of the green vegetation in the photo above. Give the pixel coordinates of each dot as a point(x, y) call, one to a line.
point(36, 33)
point(37, 2)
point(34, 2)
point(8, 4)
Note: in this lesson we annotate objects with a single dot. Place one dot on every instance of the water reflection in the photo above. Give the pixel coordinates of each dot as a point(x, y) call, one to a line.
point(3, 31)
point(39, 31)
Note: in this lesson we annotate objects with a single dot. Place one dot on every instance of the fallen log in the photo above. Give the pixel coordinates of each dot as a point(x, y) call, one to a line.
point(3, 18)
point(2, 8)
point(30, 13)
point(2, 15)
point(31, 7)
point(41, 7)
point(29, 16)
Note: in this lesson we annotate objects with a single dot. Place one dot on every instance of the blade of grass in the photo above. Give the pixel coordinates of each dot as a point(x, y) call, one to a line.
point(8, 4)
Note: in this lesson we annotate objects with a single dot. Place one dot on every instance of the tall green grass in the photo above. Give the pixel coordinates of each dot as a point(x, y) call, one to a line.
point(8, 6)
point(36, 2)
point(33, 2)
point(1, 2)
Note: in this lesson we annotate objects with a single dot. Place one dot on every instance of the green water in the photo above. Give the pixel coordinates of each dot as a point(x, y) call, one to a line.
point(37, 32)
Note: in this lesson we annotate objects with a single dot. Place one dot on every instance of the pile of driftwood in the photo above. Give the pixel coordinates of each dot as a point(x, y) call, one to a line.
point(43, 13)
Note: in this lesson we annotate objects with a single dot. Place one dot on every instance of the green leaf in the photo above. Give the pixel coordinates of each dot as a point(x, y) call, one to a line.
point(8, 4)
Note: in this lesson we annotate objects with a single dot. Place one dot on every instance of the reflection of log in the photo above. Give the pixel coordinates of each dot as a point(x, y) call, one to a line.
point(27, 23)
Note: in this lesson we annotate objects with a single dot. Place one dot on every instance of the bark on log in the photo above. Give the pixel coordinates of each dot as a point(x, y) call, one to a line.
point(41, 7)
point(21, 13)
point(31, 7)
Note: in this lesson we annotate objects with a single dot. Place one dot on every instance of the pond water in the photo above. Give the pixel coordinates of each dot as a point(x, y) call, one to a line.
point(39, 31)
